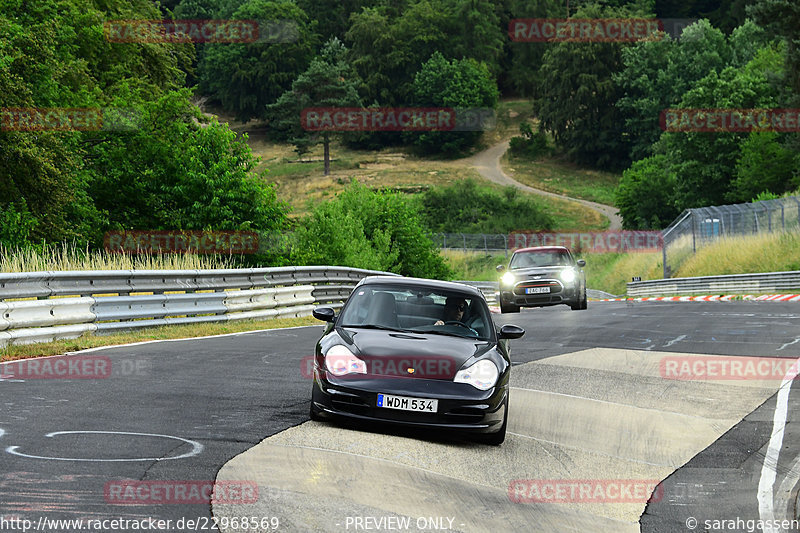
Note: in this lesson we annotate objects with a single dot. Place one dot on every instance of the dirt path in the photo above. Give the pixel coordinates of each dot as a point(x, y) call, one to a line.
point(487, 163)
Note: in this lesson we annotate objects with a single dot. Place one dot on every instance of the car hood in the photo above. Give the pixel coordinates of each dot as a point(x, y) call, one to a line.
point(401, 347)
point(538, 271)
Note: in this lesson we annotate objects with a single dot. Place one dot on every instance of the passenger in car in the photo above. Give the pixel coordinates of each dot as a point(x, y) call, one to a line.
point(454, 309)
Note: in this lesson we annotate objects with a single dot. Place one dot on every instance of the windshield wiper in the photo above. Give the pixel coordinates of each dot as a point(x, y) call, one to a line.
point(449, 333)
point(375, 326)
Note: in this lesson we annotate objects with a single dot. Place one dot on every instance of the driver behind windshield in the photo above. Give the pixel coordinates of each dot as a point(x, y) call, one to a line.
point(454, 308)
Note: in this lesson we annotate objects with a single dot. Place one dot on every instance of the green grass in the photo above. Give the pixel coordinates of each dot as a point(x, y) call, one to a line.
point(558, 176)
point(12, 353)
point(474, 266)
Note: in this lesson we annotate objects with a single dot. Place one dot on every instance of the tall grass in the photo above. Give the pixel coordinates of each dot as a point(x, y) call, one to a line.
point(769, 252)
point(67, 257)
point(474, 266)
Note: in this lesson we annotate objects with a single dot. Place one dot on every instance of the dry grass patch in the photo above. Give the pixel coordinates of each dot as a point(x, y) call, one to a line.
point(71, 258)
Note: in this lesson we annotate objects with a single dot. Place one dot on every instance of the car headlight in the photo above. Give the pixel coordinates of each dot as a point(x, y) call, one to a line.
point(482, 375)
point(568, 275)
point(339, 360)
point(508, 279)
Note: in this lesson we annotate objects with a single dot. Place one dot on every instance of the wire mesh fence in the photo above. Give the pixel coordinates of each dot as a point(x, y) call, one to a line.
point(487, 242)
point(699, 227)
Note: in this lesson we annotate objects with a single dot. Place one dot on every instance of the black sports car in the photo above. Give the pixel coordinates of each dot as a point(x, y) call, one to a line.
point(542, 276)
point(416, 352)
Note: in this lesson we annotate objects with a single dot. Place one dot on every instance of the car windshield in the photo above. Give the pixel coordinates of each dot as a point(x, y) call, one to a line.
point(539, 259)
point(418, 310)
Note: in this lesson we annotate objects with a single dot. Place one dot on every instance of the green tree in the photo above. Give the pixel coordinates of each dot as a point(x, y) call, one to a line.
point(463, 85)
point(646, 194)
point(367, 229)
point(782, 17)
point(245, 77)
point(329, 81)
point(658, 72)
point(526, 58)
point(706, 161)
point(178, 171)
point(481, 36)
point(578, 96)
point(387, 44)
point(764, 165)
point(54, 54)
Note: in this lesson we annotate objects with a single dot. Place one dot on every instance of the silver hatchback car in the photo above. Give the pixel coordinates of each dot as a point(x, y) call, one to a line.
point(542, 276)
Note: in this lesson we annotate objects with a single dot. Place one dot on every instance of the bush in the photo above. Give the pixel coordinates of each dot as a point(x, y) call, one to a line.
point(175, 172)
point(362, 228)
point(468, 207)
point(646, 194)
point(531, 145)
point(459, 84)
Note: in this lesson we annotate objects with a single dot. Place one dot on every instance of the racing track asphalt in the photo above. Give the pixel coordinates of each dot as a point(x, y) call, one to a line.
point(227, 394)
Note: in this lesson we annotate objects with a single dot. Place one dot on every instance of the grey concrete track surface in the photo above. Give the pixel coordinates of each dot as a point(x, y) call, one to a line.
point(488, 164)
point(572, 417)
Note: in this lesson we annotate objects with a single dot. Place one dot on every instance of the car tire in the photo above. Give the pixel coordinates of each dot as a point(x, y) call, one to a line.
point(585, 301)
point(496, 438)
point(508, 308)
point(580, 305)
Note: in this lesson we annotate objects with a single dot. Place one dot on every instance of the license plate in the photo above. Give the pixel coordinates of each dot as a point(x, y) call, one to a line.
point(407, 404)
point(537, 290)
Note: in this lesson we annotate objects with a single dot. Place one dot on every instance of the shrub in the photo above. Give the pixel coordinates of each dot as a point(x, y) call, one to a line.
point(362, 228)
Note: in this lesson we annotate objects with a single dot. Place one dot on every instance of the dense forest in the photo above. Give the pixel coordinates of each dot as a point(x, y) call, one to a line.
point(598, 102)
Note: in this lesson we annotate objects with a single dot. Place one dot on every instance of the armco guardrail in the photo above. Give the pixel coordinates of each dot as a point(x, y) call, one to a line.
point(773, 282)
point(70, 304)
point(488, 288)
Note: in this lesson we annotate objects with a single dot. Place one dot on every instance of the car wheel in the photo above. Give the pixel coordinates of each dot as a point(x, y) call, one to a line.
point(508, 308)
point(577, 306)
point(585, 302)
point(497, 438)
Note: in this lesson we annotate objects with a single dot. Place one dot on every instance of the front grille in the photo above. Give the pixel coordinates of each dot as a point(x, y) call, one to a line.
point(555, 286)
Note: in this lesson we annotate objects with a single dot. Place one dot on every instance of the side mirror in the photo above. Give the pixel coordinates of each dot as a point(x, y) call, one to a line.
point(510, 331)
point(500, 268)
point(326, 314)
point(581, 263)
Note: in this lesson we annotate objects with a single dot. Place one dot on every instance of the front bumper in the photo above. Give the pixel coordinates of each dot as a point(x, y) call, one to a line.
point(461, 407)
point(561, 293)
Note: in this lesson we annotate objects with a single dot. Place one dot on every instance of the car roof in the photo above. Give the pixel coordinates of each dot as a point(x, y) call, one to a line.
point(422, 282)
point(543, 249)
